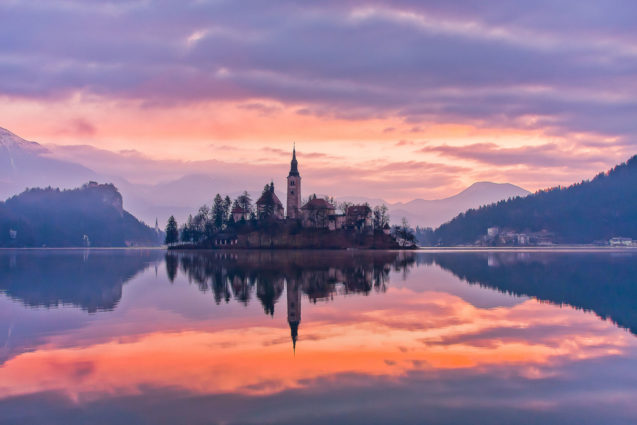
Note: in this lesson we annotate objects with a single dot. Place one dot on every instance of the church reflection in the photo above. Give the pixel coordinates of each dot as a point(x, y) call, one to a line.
point(266, 274)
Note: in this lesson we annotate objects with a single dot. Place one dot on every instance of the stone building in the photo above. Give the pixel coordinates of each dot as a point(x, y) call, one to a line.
point(317, 213)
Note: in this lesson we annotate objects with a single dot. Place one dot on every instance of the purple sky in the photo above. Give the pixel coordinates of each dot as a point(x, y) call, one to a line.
point(545, 91)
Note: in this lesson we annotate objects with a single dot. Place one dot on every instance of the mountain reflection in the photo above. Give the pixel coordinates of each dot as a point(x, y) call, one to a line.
point(603, 283)
point(242, 275)
point(89, 279)
point(438, 340)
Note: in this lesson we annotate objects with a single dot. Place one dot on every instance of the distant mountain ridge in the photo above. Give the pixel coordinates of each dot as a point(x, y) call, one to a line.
point(433, 213)
point(594, 210)
point(92, 215)
point(26, 164)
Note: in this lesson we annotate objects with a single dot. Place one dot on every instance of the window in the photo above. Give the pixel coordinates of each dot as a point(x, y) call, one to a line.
point(291, 192)
point(292, 183)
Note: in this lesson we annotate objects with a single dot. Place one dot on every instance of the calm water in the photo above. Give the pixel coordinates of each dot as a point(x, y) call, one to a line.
point(145, 337)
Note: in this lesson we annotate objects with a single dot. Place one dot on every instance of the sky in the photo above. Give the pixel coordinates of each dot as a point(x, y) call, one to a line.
point(393, 99)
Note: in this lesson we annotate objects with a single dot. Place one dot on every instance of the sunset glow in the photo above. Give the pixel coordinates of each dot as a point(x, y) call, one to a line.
point(354, 85)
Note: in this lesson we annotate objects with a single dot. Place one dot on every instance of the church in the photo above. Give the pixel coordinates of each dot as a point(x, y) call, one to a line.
point(317, 213)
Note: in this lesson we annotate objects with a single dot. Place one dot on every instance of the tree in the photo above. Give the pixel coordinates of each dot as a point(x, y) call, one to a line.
point(187, 230)
point(244, 201)
point(343, 206)
point(268, 199)
point(227, 203)
point(172, 231)
point(381, 217)
point(404, 234)
point(218, 212)
point(198, 228)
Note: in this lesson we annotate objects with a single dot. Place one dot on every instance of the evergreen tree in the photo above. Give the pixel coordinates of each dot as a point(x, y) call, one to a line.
point(187, 230)
point(172, 231)
point(268, 198)
point(218, 212)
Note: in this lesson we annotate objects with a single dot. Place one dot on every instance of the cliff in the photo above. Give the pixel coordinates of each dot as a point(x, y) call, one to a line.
point(92, 215)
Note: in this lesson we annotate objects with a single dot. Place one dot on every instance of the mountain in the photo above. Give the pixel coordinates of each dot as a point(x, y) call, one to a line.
point(599, 209)
point(25, 164)
point(91, 215)
point(28, 164)
point(432, 213)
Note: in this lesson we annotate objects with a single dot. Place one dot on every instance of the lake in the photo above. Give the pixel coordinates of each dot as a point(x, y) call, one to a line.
point(315, 337)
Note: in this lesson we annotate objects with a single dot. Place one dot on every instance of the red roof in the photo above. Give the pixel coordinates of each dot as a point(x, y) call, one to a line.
point(358, 210)
point(264, 199)
point(318, 204)
point(237, 210)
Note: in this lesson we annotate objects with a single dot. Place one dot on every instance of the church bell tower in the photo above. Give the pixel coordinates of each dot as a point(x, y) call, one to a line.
point(294, 188)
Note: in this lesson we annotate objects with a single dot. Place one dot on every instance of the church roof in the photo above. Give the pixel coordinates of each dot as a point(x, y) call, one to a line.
point(358, 210)
point(318, 204)
point(294, 165)
point(268, 197)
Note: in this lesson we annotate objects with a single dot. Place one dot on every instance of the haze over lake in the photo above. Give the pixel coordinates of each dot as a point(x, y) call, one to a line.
point(147, 337)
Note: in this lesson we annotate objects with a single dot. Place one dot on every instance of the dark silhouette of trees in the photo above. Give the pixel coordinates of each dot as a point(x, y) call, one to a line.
point(71, 218)
point(599, 209)
point(245, 201)
point(267, 196)
point(381, 216)
point(172, 231)
point(218, 213)
point(404, 234)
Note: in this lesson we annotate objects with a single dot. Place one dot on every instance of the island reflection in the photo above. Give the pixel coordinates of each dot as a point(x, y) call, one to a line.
point(319, 275)
point(382, 337)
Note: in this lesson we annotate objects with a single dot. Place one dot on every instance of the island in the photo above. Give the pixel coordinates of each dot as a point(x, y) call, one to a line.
point(316, 223)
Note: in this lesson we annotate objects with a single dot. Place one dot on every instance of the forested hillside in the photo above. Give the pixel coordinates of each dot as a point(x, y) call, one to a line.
point(92, 215)
point(599, 209)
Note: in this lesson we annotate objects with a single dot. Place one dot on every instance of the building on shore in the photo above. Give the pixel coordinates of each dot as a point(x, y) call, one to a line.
point(620, 241)
point(319, 213)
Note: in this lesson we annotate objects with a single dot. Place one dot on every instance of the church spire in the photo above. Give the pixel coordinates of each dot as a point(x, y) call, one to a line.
point(294, 165)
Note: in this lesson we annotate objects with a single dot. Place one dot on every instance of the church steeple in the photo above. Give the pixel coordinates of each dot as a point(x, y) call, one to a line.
point(294, 165)
point(294, 188)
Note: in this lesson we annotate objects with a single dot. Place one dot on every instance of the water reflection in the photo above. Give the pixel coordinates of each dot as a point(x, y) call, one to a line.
point(600, 282)
point(89, 279)
point(380, 337)
point(318, 275)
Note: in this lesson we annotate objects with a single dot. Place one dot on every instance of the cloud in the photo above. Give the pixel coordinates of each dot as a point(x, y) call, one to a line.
point(570, 66)
point(547, 155)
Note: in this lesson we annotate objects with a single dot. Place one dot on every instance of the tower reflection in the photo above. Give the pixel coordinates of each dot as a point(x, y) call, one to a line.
point(240, 275)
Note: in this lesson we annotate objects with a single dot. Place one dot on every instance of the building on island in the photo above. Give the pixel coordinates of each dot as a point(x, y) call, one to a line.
point(239, 214)
point(359, 217)
point(319, 213)
point(269, 205)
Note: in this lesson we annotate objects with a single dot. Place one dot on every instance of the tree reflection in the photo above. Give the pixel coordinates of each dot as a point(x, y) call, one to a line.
point(318, 276)
point(600, 282)
point(89, 279)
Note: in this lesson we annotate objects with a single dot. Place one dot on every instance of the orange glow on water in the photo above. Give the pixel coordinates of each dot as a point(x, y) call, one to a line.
point(259, 359)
